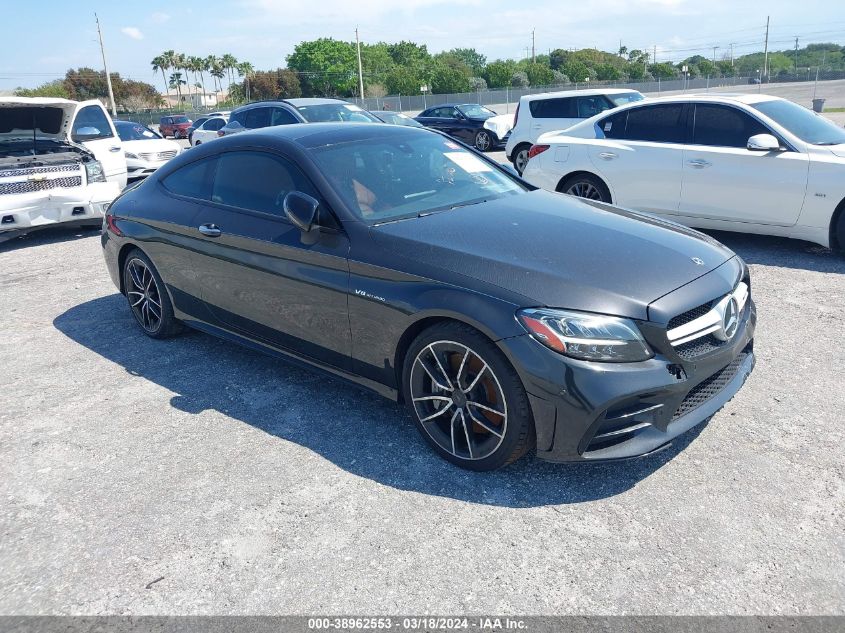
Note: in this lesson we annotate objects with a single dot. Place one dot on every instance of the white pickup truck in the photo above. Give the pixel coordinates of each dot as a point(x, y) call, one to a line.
point(60, 161)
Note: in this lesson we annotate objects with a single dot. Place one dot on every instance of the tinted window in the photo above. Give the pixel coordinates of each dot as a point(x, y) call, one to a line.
point(326, 112)
point(591, 106)
point(282, 117)
point(614, 125)
point(192, 180)
point(552, 108)
point(257, 117)
point(214, 124)
point(723, 126)
point(445, 113)
point(91, 123)
point(658, 123)
point(476, 111)
point(134, 132)
point(257, 181)
point(238, 117)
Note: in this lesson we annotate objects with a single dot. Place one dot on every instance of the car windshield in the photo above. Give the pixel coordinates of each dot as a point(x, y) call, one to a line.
point(333, 112)
point(627, 97)
point(134, 132)
point(181, 119)
point(803, 123)
point(398, 177)
point(475, 110)
point(396, 118)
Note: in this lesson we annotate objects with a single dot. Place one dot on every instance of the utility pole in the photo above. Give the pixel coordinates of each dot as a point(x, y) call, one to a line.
point(714, 54)
point(106, 68)
point(766, 53)
point(360, 71)
point(533, 56)
point(732, 54)
point(796, 54)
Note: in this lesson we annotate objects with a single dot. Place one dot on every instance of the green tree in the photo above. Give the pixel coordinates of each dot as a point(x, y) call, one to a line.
point(576, 71)
point(665, 70)
point(539, 74)
point(401, 80)
point(410, 55)
point(499, 73)
point(607, 72)
point(55, 88)
point(327, 67)
point(471, 58)
point(558, 58)
point(447, 78)
point(519, 79)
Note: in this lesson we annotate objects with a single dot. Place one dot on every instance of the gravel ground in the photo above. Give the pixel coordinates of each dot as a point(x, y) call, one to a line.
point(192, 476)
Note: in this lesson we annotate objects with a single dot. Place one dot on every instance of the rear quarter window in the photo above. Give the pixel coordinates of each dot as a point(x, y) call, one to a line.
point(193, 180)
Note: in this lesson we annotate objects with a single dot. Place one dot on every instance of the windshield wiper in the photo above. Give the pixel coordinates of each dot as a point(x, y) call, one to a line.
point(422, 214)
point(830, 143)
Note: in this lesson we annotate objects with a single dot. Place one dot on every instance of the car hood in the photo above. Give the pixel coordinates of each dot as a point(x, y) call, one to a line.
point(557, 251)
point(51, 117)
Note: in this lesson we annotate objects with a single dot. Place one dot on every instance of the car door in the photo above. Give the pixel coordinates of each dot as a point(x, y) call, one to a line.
point(549, 115)
point(724, 180)
point(170, 237)
point(640, 157)
point(461, 127)
point(262, 277)
point(93, 128)
point(208, 130)
point(427, 117)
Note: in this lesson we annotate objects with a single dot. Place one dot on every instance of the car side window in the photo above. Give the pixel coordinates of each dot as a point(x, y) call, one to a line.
point(657, 123)
point(282, 117)
point(193, 180)
point(91, 123)
point(591, 106)
point(238, 117)
point(552, 108)
point(614, 125)
point(257, 181)
point(257, 117)
point(724, 126)
point(214, 124)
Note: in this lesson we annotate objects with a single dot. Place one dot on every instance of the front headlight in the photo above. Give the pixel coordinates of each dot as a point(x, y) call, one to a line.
point(586, 336)
point(131, 155)
point(94, 171)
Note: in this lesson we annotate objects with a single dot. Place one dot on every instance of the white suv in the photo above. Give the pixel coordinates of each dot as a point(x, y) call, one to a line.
point(551, 111)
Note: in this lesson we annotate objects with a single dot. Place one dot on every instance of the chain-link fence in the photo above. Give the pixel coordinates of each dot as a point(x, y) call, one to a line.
point(505, 99)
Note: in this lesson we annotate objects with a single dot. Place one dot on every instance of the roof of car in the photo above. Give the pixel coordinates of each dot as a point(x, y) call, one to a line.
point(304, 101)
point(311, 135)
point(717, 97)
point(456, 104)
point(587, 92)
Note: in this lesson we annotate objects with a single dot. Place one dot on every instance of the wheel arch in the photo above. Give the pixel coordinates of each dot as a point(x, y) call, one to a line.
point(584, 172)
point(413, 330)
point(835, 243)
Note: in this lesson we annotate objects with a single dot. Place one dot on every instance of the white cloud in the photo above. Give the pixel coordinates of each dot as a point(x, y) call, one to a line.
point(160, 18)
point(133, 32)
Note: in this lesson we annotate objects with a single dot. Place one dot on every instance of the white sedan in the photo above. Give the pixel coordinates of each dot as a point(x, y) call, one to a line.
point(208, 130)
point(749, 163)
point(145, 150)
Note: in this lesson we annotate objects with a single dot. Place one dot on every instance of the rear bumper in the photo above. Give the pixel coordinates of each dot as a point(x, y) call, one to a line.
point(43, 208)
point(587, 411)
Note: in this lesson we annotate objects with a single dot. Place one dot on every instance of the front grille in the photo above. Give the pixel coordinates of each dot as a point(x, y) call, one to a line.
point(158, 156)
point(39, 185)
point(689, 315)
point(47, 169)
point(709, 387)
point(699, 347)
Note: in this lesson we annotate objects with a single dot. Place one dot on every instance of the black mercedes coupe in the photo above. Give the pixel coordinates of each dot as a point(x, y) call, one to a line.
point(507, 318)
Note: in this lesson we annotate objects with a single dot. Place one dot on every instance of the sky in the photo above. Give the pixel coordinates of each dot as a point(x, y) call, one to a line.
point(51, 36)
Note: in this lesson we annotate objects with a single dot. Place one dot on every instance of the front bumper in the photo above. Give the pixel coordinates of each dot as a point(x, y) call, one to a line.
point(56, 206)
point(586, 411)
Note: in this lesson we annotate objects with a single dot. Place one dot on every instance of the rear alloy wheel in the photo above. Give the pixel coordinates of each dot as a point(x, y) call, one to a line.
point(586, 186)
point(483, 141)
point(467, 400)
point(147, 299)
point(520, 158)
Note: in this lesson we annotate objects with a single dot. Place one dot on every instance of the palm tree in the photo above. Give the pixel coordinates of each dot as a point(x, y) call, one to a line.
point(229, 63)
point(180, 64)
point(195, 65)
point(211, 63)
point(160, 63)
point(177, 82)
point(245, 70)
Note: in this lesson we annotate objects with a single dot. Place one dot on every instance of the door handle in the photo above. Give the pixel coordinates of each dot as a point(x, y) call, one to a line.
point(210, 230)
point(698, 163)
point(608, 155)
point(114, 148)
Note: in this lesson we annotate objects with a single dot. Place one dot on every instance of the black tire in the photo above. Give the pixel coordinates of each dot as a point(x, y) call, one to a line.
point(519, 158)
point(492, 398)
point(147, 297)
point(483, 141)
point(586, 186)
point(839, 234)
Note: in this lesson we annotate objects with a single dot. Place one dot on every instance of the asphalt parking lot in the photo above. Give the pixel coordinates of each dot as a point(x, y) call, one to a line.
point(193, 476)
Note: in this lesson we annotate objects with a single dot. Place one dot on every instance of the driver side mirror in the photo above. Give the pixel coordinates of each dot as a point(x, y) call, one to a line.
point(763, 143)
point(301, 210)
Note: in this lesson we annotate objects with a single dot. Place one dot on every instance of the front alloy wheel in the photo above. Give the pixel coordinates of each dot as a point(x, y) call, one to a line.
point(483, 141)
point(468, 402)
point(147, 299)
